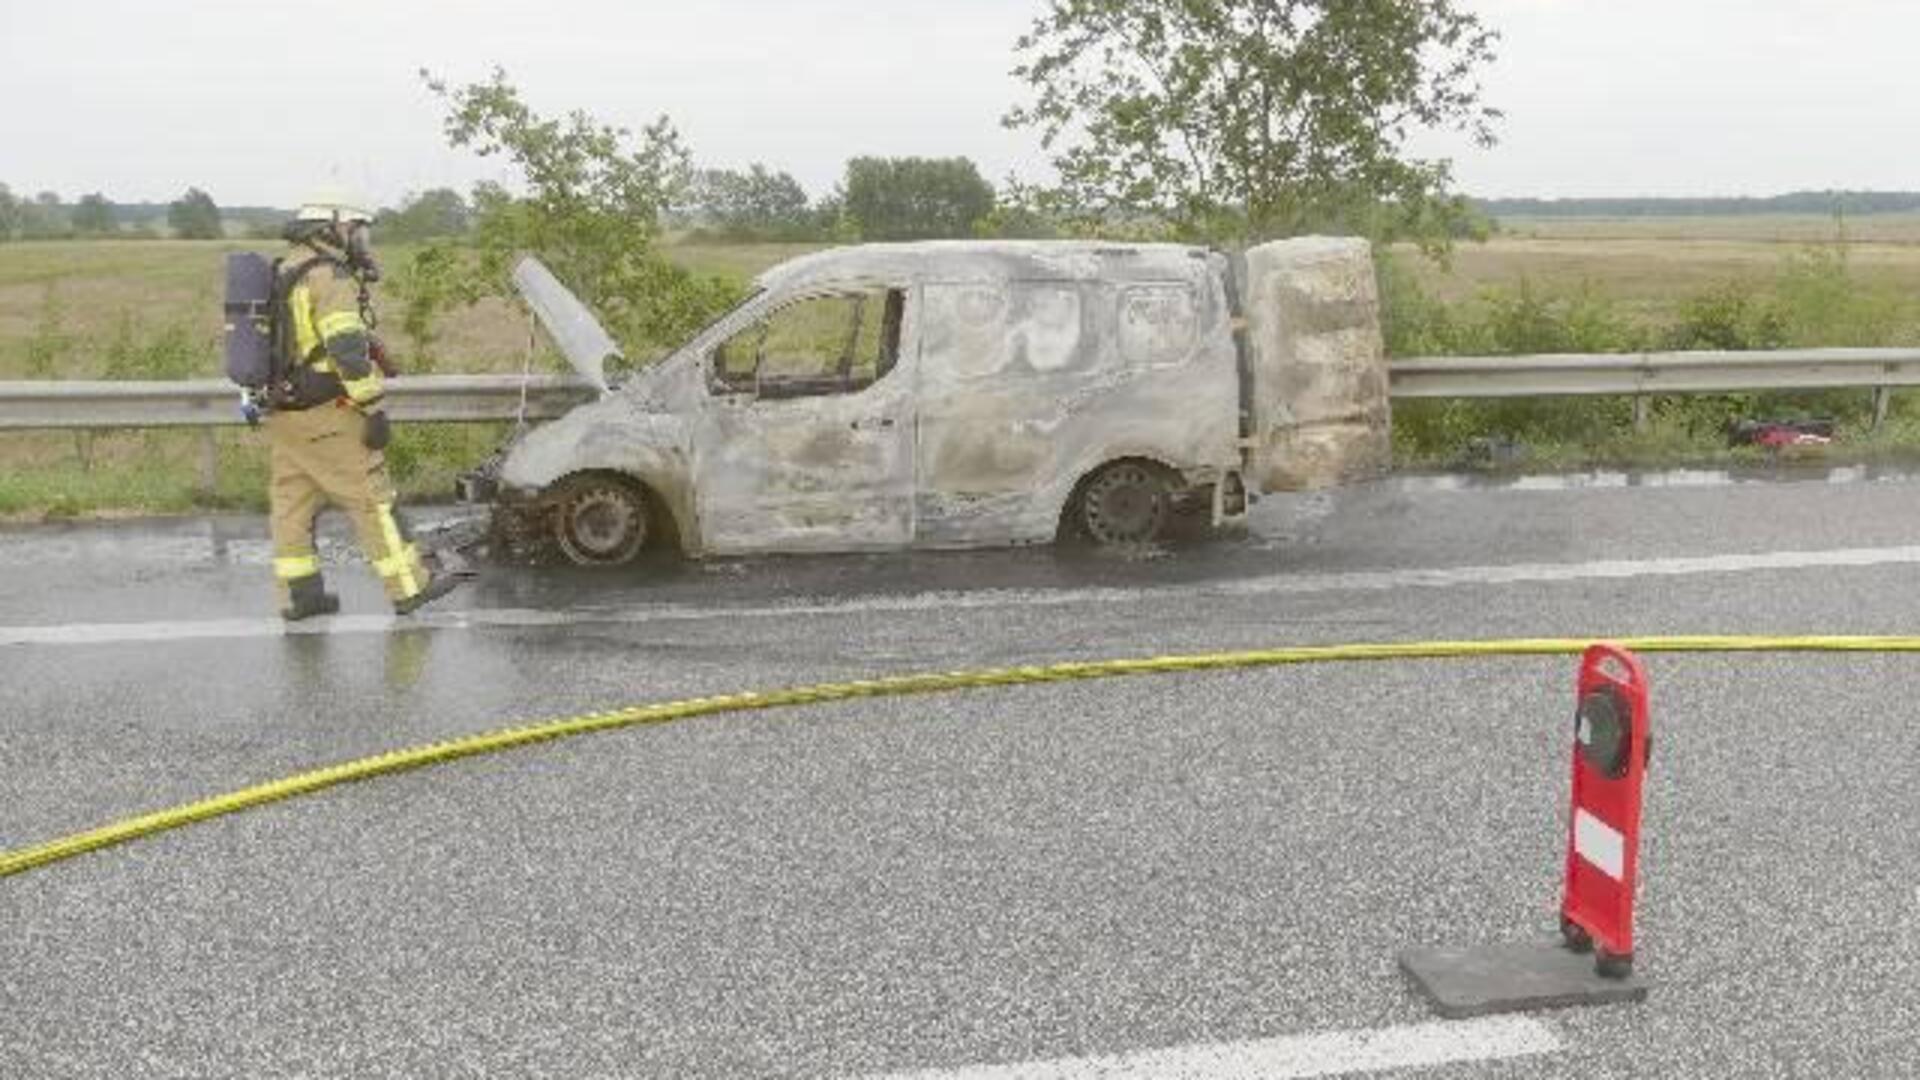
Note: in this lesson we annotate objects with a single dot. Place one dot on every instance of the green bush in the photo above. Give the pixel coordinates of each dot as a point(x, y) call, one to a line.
point(1502, 322)
point(1823, 304)
point(169, 353)
point(1731, 316)
point(424, 459)
point(591, 207)
point(50, 348)
point(1814, 300)
point(436, 279)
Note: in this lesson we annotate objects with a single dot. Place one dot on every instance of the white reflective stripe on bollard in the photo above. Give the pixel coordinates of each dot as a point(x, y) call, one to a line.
point(1600, 844)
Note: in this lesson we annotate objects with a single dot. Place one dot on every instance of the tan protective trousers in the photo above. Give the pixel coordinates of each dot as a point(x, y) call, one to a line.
point(318, 458)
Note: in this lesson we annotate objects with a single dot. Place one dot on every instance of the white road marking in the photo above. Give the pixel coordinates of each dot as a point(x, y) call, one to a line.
point(1334, 1053)
point(1266, 585)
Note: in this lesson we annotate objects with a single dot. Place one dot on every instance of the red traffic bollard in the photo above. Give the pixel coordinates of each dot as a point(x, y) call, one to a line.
point(1610, 748)
point(1610, 744)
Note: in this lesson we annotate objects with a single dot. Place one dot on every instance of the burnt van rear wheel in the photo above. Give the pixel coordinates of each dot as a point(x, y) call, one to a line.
point(1127, 502)
point(599, 520)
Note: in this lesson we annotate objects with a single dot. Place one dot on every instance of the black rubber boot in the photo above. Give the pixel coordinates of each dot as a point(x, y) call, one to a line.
point(309, 597)
point(438, 586)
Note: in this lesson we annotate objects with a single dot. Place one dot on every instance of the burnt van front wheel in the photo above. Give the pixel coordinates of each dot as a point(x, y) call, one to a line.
point(1128, 502)
point(599, 520)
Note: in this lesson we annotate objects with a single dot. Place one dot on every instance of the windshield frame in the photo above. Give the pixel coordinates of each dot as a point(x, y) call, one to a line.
point(720, 329)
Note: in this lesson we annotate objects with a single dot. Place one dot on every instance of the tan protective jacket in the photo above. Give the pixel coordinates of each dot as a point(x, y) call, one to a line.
point(329, 334)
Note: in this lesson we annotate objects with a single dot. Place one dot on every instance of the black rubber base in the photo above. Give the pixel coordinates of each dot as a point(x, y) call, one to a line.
point(1514, 978)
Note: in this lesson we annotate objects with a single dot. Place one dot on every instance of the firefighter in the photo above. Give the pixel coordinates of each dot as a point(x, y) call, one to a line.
point(326, 424)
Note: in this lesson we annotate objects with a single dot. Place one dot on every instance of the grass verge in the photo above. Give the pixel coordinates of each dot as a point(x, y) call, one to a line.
point(68, 475)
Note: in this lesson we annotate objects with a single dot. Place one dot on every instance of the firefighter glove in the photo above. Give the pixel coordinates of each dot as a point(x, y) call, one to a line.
point(379, 430)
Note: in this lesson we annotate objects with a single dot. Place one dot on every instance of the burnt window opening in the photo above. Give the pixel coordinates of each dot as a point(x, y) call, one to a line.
point(836, 343)
point(1158, 323)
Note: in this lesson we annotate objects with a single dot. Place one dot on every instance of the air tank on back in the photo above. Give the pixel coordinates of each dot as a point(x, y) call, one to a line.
point(249, 319)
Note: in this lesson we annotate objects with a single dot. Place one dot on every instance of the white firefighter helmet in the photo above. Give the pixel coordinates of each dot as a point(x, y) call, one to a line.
point(331, 220)
point(334, 207)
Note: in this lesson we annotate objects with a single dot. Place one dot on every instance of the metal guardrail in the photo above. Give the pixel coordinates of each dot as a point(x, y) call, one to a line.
point(1653, 373)
point(206, 403)
point(468, 398)
point(1646, 375)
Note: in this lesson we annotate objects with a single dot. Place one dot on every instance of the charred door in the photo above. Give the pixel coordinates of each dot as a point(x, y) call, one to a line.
point(806, 442)
point(1003, 367)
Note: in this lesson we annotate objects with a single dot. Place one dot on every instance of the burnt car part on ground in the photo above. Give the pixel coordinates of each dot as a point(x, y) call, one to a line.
point(958, 394)
point(1777, 433)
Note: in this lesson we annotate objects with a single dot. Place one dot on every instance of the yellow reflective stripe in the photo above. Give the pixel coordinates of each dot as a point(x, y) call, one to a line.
point(300, 307)
point(341, 322)
point(399, 550)
point(402, 760)
point(295, 567)
point(363, 390)
point(400, 562)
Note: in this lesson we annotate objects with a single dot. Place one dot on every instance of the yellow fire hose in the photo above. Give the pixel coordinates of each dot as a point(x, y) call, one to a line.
point(306, 783)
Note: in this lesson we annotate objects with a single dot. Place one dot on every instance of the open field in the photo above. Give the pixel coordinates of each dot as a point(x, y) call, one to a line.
point(1646, 277)
point(120, 308)
point(77, 309)
point(1649, 266)
point(1756, 228)
point(150, 309)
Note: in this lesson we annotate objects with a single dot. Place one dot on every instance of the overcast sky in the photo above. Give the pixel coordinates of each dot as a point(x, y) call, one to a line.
point(258, 101)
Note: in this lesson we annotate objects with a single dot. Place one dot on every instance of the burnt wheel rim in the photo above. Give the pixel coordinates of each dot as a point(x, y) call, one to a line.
point(1126, 504)
point(602, 526)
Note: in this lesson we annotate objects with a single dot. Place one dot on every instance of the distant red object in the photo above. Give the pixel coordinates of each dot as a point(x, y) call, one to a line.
point(1783, 436)
point(1603, 837)
point(1774, 434)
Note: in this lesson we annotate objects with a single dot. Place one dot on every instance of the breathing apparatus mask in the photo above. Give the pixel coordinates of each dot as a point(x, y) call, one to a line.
point(351, 241)
point(359, 251)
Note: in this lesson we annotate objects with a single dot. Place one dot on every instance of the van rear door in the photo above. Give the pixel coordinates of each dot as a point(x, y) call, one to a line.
point(1319, 412)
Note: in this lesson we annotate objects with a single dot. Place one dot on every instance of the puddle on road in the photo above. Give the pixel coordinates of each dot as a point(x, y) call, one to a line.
point(1600, 479)
point(217, 540)
point(240, 540)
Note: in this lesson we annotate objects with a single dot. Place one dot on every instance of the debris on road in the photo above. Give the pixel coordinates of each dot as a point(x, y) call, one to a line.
point(1774, 434)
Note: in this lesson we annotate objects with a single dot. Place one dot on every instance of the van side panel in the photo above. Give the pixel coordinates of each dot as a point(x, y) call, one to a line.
point(1027, 384)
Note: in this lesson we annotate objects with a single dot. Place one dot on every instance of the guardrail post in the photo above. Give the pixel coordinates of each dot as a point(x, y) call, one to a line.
point(1640, 414)
point(1882, 399)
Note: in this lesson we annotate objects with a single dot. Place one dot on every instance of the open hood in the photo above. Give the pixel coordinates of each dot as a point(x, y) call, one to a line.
point(579, 335)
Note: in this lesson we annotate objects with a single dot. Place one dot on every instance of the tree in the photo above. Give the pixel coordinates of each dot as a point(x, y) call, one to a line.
point(194, 216)
point(590, 210)
point(94, 215)
point(44, 218)
point(914, 198)
point(9, 214)
point(1019, 213)
point(434, 213)
point(830, 221)
point(1251, 119)
point(757, 204)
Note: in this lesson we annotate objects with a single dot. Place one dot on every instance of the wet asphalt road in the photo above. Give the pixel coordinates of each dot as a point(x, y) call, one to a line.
point(993, 877)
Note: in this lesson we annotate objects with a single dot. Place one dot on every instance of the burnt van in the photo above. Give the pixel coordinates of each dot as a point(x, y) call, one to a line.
point(959, 394)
